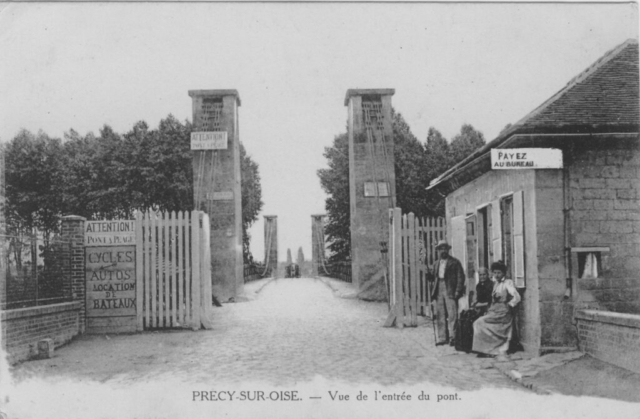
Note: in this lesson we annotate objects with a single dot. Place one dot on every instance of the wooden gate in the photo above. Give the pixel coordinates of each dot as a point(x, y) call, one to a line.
point(412, 244)
point(173, 270)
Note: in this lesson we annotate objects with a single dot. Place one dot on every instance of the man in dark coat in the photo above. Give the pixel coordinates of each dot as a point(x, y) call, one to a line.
point(447, 278)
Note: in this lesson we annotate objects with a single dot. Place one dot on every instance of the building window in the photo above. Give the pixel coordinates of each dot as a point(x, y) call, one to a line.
point(483, 237)
point(376, 189)
point(510, 234)
point(590, 261)
point(506, 221)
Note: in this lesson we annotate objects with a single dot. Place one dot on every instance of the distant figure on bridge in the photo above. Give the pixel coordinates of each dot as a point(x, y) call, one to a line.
point(447, 277)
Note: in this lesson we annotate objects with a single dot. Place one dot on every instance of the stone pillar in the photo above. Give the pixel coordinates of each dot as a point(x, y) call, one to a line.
point(271, 243)
point(317, 244)
point(372, 185)
point(215, 148)
point(75, 284)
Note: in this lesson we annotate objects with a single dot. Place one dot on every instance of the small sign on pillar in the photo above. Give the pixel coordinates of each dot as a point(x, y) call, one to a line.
point(211, 140)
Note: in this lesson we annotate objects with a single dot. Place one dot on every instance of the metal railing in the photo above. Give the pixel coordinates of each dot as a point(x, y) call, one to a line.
point(339, 270)
point(255, 271)
point(34, 272)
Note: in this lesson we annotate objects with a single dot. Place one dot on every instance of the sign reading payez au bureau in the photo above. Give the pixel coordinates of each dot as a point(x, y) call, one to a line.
point(110, 272)
point(209, 140)
point(526, 158)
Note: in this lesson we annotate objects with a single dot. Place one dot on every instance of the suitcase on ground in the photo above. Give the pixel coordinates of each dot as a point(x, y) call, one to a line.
point(464, 330)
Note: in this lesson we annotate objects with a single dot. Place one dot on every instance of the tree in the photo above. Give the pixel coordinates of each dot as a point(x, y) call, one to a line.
point(438, 159)
point(300, 258)
point(110, 176)
point(465, 143)
point(33, 176)
point(251, 199)
point(416, 165)
point(335, 182)
point(411, 174)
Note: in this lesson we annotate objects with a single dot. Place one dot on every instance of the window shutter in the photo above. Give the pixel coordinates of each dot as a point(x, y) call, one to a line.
point(518, 239)
point(496, 231)
point(458, 241)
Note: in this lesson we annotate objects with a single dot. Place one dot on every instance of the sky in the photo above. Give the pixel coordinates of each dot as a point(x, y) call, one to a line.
point(82, 65)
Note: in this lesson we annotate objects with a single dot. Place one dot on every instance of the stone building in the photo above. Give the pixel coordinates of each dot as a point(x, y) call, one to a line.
point(570, 236)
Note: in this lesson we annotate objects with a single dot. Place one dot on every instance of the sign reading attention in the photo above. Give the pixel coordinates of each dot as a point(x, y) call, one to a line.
point(109, 233)
point(209, 140)
point(526, 158)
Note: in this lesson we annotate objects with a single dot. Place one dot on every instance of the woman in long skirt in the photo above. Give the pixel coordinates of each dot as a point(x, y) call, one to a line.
point(492, 332)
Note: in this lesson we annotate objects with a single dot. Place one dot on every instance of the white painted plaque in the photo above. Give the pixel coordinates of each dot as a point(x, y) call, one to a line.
point(220, 196)
point(209, 140)
point(526, 158)
point(110, 233)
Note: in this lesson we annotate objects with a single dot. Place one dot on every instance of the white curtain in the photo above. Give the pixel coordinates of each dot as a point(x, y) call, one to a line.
point(590, 266)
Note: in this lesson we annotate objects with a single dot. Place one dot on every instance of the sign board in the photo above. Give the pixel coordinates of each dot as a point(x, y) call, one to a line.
point(209, 140)
point(111, 281)
point(370, 189)
point(109, 233)
point(526, 158)
point(220, 196)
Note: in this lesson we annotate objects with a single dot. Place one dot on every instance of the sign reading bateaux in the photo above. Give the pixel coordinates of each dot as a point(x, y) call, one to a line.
point(110, 233)
point(209, 140)
point(526, 158)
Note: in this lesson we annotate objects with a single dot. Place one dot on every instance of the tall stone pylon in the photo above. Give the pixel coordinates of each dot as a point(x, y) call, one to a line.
point(215, 146)
point(271, 243)
point(317, 244)
point(372, 184)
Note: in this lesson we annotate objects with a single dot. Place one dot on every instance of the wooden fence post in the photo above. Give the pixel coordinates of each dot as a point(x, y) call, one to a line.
point(205, 277)
point(195, 270)
point(139, 271)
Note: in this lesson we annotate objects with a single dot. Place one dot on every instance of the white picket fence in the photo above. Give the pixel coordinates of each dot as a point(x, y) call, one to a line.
point(412, 242)
point(173, 270)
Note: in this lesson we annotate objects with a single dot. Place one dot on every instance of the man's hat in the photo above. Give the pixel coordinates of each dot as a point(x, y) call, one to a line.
point(442, 243)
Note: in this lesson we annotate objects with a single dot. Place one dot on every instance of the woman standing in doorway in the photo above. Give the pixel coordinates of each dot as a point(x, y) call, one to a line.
point(491, 333)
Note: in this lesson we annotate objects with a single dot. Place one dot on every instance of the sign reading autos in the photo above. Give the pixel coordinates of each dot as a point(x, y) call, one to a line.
point(526, 158)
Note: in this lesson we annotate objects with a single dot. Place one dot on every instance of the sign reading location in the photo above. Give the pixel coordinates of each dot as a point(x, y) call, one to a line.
point(109, 233)
point(209, 140)
point(526, 158)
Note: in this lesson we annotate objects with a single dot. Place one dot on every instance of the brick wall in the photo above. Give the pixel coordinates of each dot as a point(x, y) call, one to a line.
point(605, 192)
point(23, 328)
point(610, 337)
point(72, 232)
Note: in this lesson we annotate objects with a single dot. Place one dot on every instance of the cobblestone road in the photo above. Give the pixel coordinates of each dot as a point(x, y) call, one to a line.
point(293, 331)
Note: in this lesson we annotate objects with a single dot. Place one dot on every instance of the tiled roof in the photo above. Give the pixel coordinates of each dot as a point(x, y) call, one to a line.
point(606, 93)
point(603, 98)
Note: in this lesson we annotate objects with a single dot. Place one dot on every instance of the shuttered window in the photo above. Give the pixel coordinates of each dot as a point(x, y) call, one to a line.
point(496, 232)
point(519, 257)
